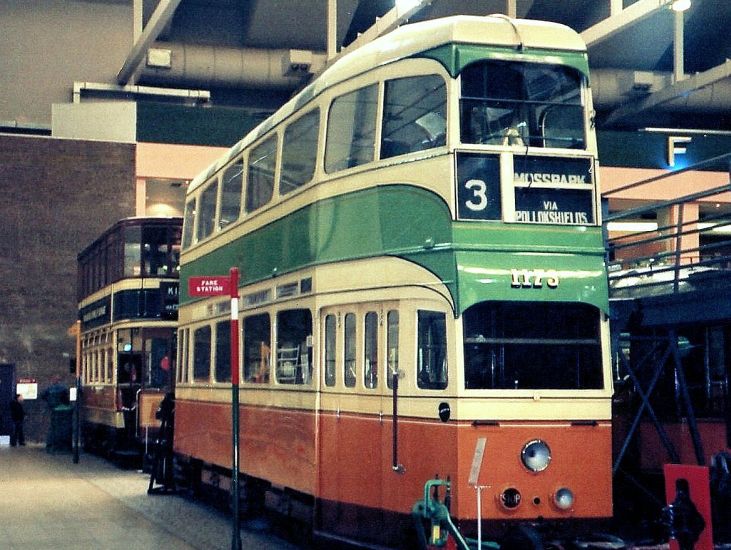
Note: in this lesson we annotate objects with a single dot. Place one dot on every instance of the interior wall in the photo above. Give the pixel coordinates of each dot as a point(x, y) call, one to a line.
point(45, 49)
point(58, 196)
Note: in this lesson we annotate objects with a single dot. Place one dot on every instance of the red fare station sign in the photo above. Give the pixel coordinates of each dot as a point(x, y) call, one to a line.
point(209, 285)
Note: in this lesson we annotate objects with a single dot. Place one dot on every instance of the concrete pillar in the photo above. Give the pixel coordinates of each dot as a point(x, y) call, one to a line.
point(682, 240)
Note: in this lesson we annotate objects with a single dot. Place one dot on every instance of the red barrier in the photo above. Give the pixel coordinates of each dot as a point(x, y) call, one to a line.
point(700, 493)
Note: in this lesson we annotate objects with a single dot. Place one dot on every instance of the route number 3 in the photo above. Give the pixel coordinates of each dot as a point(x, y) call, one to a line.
point(478, 202)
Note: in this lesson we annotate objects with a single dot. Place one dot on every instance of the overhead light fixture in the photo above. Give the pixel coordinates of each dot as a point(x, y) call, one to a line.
point(680, 5)
point(407, 4)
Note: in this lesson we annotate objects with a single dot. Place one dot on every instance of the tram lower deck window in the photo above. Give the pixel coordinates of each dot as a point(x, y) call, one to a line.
point(431, 360)
point(529, 345)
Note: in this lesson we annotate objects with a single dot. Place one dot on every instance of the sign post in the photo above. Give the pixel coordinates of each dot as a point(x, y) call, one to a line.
point(222, 286)
point(75, 331)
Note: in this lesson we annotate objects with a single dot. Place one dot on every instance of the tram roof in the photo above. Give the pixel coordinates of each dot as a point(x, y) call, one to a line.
point(407, 41)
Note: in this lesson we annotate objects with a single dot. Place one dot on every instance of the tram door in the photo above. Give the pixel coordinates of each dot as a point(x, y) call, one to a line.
point(7, 389)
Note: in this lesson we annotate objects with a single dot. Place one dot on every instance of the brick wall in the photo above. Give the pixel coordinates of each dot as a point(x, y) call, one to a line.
point(57, 196)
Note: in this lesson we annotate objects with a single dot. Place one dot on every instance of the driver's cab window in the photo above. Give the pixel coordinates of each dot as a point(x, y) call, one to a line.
point(522, 104)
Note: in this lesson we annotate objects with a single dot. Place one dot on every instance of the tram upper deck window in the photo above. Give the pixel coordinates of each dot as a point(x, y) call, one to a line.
point(260, 180)
point(233, 178)
point(351, 129)
point(159, 254)
point(188, 223)
point(414, 115)
point(132, 256)
point(207, 210)
point(518, 103)
point(530, 345)
point(299, 152)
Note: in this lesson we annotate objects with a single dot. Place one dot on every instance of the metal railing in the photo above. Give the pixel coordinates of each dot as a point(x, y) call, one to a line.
point(686, 252)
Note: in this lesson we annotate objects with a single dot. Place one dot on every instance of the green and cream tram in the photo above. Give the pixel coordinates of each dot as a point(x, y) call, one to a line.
point(427, 207)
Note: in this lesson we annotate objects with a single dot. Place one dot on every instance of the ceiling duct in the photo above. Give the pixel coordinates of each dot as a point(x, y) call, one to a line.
point(616, 87)
point(215, 66)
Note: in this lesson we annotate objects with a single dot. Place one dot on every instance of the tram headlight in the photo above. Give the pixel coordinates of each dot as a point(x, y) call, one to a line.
point(536, 455)
point(564, 498)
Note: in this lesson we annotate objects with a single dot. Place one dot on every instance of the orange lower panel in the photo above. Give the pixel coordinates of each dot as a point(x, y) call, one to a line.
point(356, 469)
point(275, 444)
point(353, 463)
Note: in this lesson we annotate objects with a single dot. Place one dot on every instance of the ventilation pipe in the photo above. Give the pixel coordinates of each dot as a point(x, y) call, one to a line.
point(214, 66)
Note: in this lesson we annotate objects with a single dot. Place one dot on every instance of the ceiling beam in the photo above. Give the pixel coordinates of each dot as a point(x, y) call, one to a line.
point(160, 17)
point(390, 20)
point(618, 21)
point(678, 90)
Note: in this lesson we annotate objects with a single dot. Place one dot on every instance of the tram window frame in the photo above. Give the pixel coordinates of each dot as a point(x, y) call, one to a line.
point(371, 339)
point(533, 346)
point(189, 217)
point(183, 375)
point(299, 152)
point(261, 173)
point(232, 188)
point(222, 369)
point(109, 368)
point(157, 251)
point(392, 346)
point(351, 129)
point(202, 355)
point(494, 112)
point(132, 251)
point(207, 204)
point(330, 349)
point(432, 339)
point(350, 346)
point(294, 332)
point(412, 133)
point(257, 348)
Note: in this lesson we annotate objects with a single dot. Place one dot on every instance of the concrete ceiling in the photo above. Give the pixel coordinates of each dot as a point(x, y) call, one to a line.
point(631, 45)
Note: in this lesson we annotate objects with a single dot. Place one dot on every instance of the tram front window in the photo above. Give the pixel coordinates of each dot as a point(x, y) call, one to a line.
point(529, 345)
point(511, 103)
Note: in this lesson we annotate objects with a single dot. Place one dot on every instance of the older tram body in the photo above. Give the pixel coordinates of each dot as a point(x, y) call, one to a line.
point(427, 207)
point(128, 297)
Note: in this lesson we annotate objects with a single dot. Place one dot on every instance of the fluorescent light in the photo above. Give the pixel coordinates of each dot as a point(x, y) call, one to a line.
point(680, 5)
point(408, 4)
point(631, 227)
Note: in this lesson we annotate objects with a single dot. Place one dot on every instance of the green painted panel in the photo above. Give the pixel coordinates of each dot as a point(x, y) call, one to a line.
point(214, 126)
point(487, 276)
point(472, 259)
point(575, 239)
point(391, 220)
point(456, 57)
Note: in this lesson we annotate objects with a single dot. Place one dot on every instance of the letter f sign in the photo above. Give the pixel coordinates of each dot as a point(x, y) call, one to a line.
point(676, 146)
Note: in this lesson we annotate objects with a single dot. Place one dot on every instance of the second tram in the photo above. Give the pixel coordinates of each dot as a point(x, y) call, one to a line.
point(128, 297)
point(423, 289)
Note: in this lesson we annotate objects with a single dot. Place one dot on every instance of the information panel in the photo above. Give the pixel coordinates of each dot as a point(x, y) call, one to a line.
point(554, 190)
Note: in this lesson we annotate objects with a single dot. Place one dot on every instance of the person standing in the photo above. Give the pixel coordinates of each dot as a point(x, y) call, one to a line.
point(17, 415)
